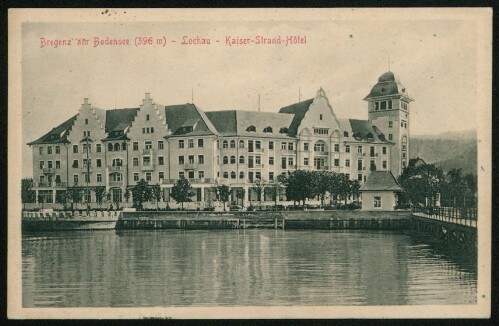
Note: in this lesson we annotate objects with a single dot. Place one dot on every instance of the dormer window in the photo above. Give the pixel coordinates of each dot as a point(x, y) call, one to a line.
point(267, 129)
point(345, 133)
point(369, 136)
point(283, 130)
point(251, 129)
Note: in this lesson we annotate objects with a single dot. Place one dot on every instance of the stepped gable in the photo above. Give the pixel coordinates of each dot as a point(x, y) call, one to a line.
point(381, 181)
point(58, 134)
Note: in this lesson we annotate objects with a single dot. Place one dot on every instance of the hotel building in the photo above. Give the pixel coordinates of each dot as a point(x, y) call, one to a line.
point(118, 147)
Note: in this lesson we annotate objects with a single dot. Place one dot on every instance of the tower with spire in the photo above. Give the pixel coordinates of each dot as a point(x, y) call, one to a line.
point(388, 107)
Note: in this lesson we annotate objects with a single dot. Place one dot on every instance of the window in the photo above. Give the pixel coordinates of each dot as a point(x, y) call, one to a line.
point(305, 146)
point(383, 149)
point(258, 144)
point(232, 160)
point(267, 129)
point(225, 160)
point(251, 129)
point(226, 175)
point(75, 164)
point(359, 149)
point(225, 144)
point(290, 162)
point(49, 164)
point(336, 147)
point(232, 144)
point(135, 146)
point(347, 163)
point(161, 175)
point(49, 149)
point(271, 145)
point(345, 133)
point(75, 149)
point(320, 116)
point(86, 121)
point(233, 175)
point(41, 164)
point(271, 160)
point(320, 146)
point(359, 177)
point(135, 161)
point(181, 174)
point(57, 178)
point(148, 144)
point(181, 144)
point(86, 133)
point(147, 117)
point(283, 163)
point(250, 176)
point(390, 105)
point(241, 144)
point(241, 175)
point(161, 160)
point(42, 179)
point(347, 148)
point(99, 177)
point(180, 160)
point(384, 164)
point(200, 142)
point(258, 159)
point(321, 131)
point(241, 159)
point(336, 162)
point(283, 146)
point(290, 146)
point(390, 136)
point(190, 143)
point(135, 177)
point(98, 162)
point(403, 154)
point(117, 162)
point(377, 201)
point(271, 176)
point(376, 106)
point(390, 124)
point(200, 174)
point(148, 176)
point(201, 159)
point(57, 164)
point(258, 175)
point(283, 130)
point(359, 165)
point(161, 144)
point(191, 159)
point(305, 161)
point(75, 178)
point(383, 105)
point(372, 165)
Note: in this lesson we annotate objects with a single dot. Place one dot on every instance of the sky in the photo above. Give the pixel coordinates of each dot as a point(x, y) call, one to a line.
point(434, 59)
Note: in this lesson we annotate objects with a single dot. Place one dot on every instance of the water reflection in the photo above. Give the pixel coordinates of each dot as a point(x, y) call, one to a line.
point(240, 267)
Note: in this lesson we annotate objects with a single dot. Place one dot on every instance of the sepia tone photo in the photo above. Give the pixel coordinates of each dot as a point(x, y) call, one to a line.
point(263, 163)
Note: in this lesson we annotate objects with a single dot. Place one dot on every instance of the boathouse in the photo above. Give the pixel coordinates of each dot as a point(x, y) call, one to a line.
point(380, 192)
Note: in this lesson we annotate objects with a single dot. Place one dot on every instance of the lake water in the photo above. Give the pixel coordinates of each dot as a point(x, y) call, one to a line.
point(241, 267)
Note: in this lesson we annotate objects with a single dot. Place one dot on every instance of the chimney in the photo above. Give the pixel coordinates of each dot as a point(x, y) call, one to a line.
point(85, 100)
point(148, 96)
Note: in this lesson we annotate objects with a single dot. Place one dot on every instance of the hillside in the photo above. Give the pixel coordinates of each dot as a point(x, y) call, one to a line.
point(448, 150)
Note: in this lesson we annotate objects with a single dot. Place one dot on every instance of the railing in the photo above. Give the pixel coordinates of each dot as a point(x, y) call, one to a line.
point(48, 170)
point(115, 183)
point(373, 154)
point(148, 167)
point(191, 180)
point(114, 168)
point(50, 184)
point(190, 166)
point(321, 153)
point(458, 215)
point(147, 152)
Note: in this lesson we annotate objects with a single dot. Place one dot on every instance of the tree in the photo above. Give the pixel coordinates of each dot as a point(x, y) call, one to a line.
point(472, 184)
point(300, 185)
point(222, 193)
point(27, 194)
point(156, 193)
point(100, 193)
point(422, 182)
point(321, 182)
point(141, 193)
point(343, 183)
point(355, 189)
point(456, 187)
point(75, 194)
point(259, 186)
point(240, 194)
point(182, 191)
point(127, 195)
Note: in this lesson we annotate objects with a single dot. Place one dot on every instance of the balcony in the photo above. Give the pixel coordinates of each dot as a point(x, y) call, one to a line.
point(373, 154)
point(256, 166)
point(115, 183)
point(48, 170)
point(147, 152)
point(190, 166)
point(86, 168)
point(147, 167)
point(115, 168)
point(51, 184)
point(288, 151)
point(191, 180)
point(321, 153)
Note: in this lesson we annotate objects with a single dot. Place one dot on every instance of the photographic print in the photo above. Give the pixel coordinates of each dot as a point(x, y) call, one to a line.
point(258, 163)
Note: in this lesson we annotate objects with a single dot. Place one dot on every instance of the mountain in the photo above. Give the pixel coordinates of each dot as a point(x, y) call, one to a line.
point(448, 150)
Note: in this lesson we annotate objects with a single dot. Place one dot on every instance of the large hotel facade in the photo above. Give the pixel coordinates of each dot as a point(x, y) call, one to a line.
point(116, 148)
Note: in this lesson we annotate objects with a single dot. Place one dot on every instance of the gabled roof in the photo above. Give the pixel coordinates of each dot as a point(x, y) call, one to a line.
point(381, 181)
point(361, 130)
point(179, 116)
point(58, 134)
point(299, 110)
point(238, 123)
point(119, 119)
point(416, 161)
